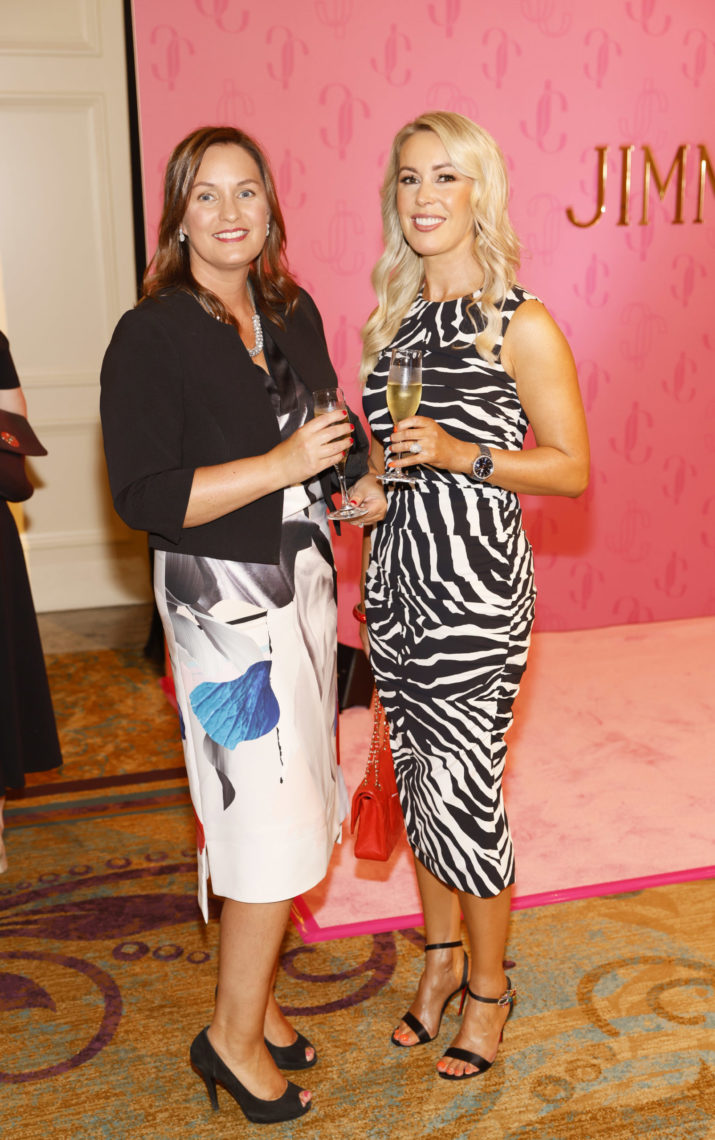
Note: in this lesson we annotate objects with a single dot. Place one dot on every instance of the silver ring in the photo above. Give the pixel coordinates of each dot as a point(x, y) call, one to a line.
point(415, 448)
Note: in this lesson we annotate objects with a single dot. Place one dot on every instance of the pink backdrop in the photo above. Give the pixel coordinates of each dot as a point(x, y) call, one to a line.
point(325, 84)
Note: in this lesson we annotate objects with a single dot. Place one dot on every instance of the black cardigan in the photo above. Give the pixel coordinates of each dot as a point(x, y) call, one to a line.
point(179, 391)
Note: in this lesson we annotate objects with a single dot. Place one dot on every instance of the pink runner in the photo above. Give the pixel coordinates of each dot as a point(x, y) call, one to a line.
point(610, 779)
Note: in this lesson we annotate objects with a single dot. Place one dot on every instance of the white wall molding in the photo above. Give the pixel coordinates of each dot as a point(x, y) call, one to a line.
point(47, 28)
point(66, 427)
point(45, 379)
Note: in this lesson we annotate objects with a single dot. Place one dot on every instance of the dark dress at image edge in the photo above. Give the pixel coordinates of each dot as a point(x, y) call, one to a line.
point(29, 734)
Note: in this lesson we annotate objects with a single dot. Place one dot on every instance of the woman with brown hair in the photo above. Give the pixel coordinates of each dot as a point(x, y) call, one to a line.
point(212, 447)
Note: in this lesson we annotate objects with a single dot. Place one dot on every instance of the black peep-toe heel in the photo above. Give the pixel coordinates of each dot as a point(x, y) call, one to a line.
point(480, 1064)
point(414, 1023)
point(292, 1056)
point(213, 1070)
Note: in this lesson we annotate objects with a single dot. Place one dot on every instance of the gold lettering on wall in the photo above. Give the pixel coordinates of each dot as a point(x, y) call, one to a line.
point(602, 172)
point(676, 175)
point(662, 187)
point(626, 163)
point(705, 167)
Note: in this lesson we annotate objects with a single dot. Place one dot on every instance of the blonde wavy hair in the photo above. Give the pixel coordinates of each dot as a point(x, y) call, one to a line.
point(399, 273)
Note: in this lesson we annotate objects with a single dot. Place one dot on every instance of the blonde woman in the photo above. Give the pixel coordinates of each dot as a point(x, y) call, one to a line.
point(449, 590)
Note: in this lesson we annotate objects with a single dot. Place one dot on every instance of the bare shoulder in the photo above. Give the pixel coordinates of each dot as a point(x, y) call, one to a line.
point(532, 335)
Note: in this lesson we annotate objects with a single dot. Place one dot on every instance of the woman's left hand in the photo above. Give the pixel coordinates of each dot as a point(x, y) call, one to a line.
point(368, 493)
point(421, 440)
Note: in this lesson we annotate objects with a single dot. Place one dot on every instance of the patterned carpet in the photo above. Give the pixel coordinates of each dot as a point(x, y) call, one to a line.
point(107, 972)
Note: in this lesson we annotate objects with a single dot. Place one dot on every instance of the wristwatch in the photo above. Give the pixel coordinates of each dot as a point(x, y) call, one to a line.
point(483, 465)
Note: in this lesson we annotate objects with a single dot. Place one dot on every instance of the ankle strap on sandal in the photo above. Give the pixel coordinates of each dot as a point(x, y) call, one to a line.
point(507, 998)
point(441, 945)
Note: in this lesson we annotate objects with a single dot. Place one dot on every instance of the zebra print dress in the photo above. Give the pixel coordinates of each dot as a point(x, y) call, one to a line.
point(450, 602)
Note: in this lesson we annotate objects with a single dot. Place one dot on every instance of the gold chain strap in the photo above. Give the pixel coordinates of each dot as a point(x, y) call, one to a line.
point(378, 728)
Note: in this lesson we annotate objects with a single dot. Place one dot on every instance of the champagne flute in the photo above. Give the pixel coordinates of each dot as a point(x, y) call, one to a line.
point(404, 392)
point(332, 400)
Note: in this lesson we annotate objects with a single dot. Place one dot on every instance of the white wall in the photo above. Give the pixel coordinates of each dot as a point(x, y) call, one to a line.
point(66, 249)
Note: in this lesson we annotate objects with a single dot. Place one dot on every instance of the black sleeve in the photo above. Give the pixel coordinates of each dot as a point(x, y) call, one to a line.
point(8, 372)
point(142, 411)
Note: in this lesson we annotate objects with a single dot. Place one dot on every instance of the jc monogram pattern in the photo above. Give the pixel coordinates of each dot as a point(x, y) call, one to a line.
point(604, 115)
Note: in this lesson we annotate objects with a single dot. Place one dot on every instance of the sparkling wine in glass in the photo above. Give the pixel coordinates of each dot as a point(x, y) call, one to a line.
point(332, 400)
point(404, 392)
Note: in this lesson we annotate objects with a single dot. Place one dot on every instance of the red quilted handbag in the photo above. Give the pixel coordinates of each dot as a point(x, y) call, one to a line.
point(376, 811)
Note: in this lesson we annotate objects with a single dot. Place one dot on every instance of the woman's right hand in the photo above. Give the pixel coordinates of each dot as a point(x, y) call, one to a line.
point(315, 446)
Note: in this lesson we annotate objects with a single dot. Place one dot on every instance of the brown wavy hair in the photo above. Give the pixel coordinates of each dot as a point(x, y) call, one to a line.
point(274, 288)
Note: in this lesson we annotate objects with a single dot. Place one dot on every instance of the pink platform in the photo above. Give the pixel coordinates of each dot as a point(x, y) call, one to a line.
point(610, 779)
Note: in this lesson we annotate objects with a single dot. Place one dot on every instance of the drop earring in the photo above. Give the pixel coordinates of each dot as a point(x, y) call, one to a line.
point(268, 227)
point(182, 235)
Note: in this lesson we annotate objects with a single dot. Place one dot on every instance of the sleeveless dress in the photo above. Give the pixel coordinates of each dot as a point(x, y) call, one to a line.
point(450, 602)
point(253, 650)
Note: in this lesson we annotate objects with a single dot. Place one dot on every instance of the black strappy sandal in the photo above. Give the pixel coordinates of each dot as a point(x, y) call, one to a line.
point(480, 1064)
point(414, 1023)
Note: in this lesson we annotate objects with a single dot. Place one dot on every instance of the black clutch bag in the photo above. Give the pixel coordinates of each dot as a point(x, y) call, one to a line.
point(17, 439)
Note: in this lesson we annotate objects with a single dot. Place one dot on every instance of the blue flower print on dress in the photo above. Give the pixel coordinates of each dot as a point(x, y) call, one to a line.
point(243, 709)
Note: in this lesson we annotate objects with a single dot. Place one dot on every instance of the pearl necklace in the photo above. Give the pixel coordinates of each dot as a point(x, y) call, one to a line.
point(257, 330)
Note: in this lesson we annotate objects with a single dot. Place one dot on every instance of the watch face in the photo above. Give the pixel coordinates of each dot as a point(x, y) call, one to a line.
point(483, 467)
